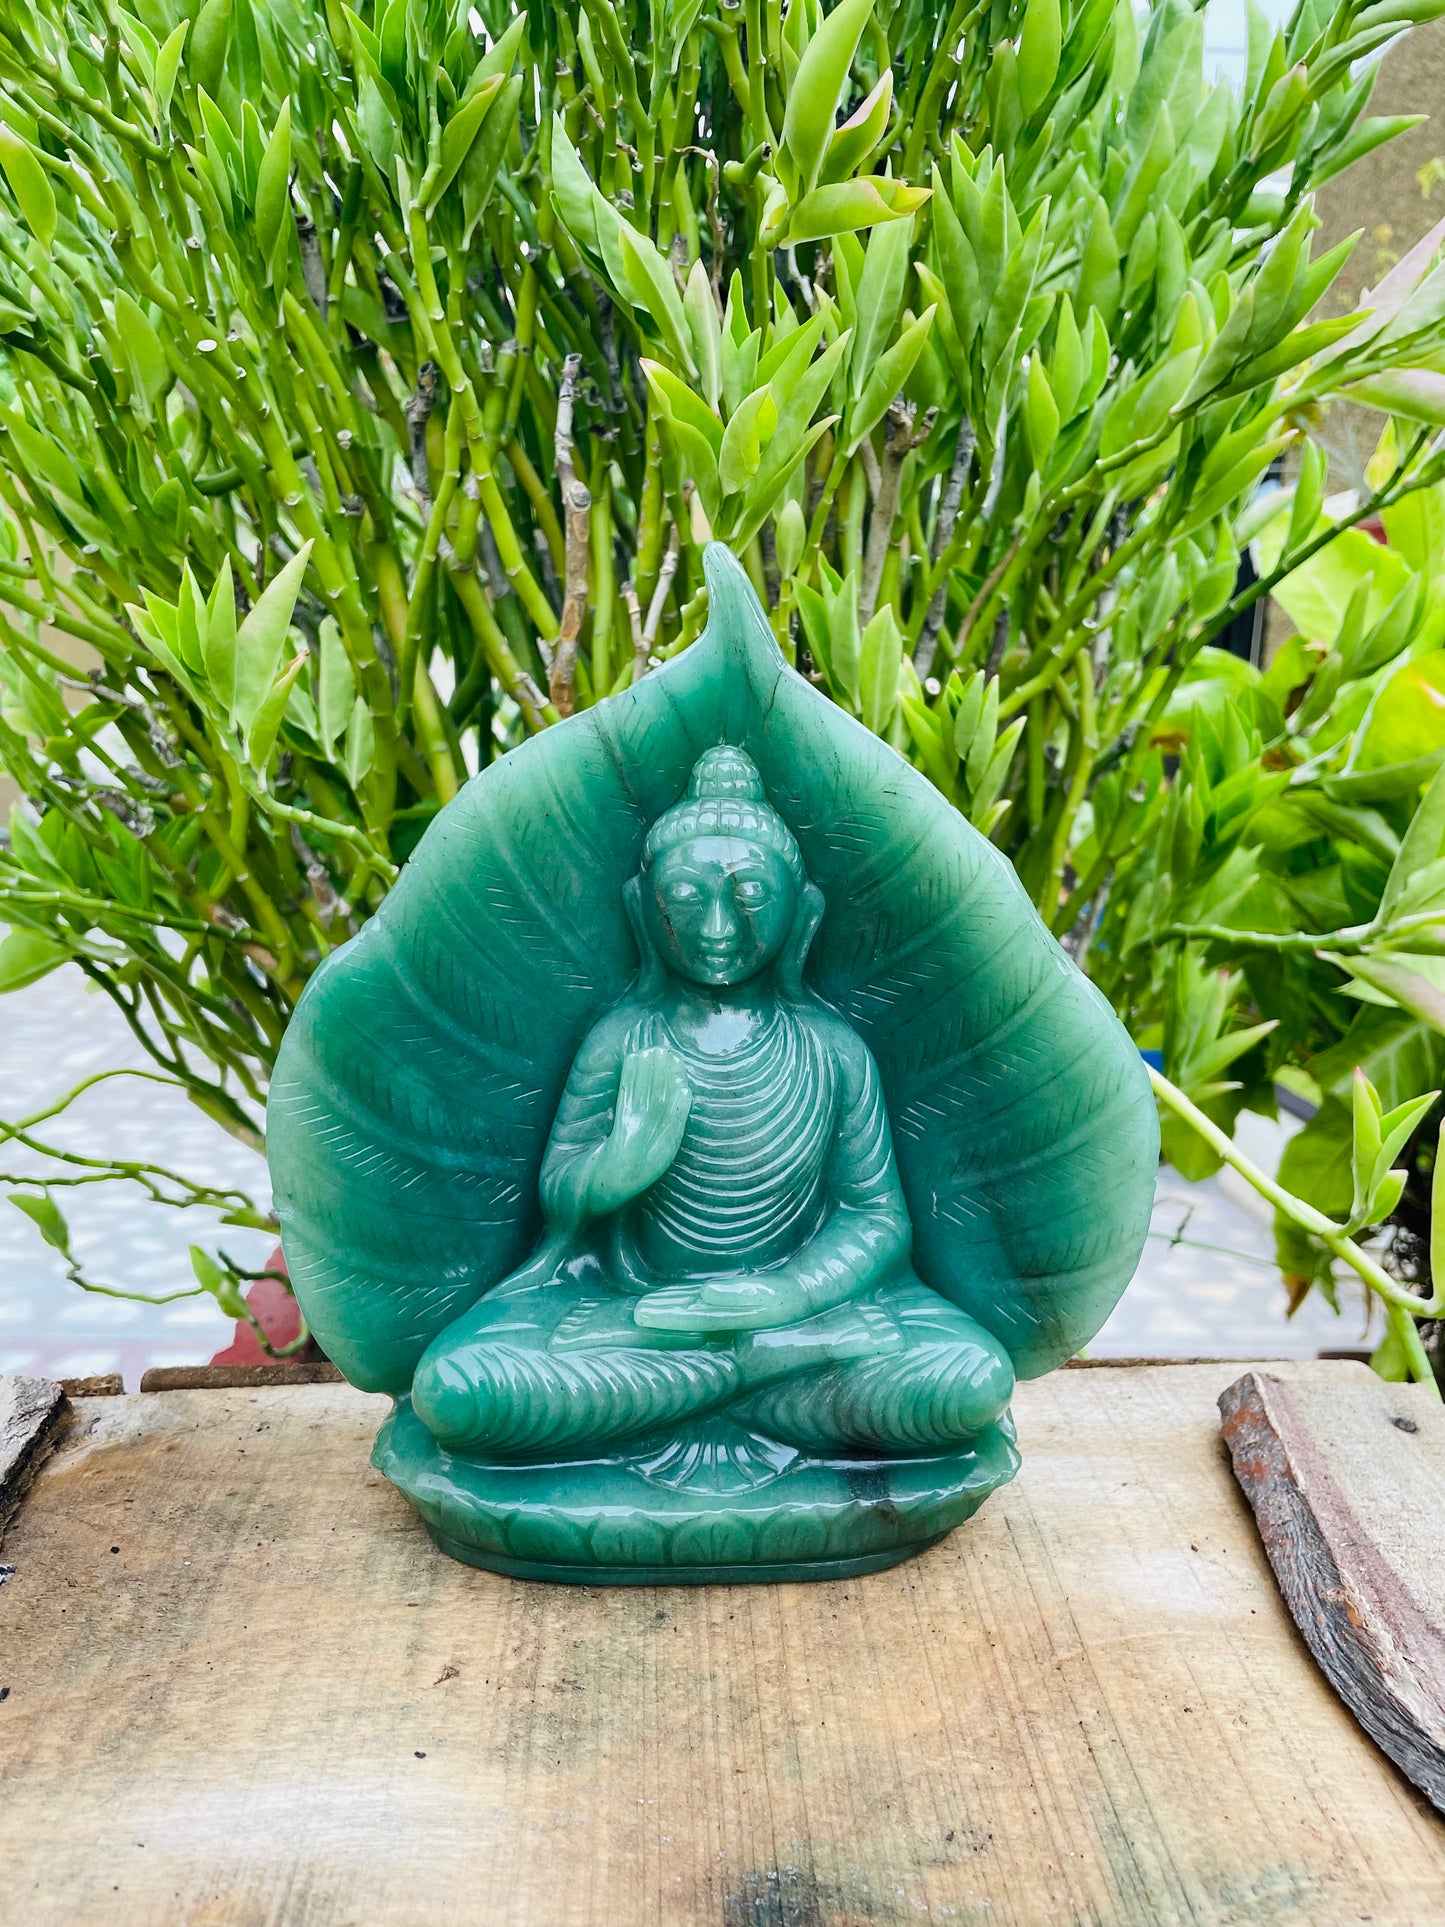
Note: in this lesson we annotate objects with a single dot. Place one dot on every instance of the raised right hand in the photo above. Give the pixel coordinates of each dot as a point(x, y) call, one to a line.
point(653, 1100)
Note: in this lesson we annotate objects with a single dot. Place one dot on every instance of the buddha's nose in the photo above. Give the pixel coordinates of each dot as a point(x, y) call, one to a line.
point(717, 925)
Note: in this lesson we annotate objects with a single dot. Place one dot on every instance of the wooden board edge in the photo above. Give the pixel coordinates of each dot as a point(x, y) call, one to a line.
point(224, 1378)
point(1322, 1600)
point(32, 1411)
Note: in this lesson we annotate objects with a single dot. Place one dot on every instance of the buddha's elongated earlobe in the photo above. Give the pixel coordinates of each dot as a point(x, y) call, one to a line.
point(650, 972)
point(794, 953)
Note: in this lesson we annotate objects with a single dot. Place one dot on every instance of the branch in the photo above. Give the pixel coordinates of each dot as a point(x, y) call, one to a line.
point(942, 536)
point(885, 508)
point(1394, 1295)
point(577, 511)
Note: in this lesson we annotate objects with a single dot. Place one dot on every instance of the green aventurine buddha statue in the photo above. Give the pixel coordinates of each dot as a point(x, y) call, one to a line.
point(582, 1155)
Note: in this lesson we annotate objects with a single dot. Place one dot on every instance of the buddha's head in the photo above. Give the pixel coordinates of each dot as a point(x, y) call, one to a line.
point(721, 876)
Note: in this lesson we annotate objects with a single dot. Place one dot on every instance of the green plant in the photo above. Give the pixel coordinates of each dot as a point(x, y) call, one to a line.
point(1280, 914)
point(1377, 1138)
point(369, 384)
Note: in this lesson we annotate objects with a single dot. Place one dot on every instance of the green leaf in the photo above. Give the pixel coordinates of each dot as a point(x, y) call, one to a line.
point(966, 716)
point(995, 772)
point(1408, 979)
point(336, 686)
point(741, 449)
point(790, 536)
point(705, 330)
point(572, 190)
point(1038, 57)
point(1365, 1145)
point(145, 357)
point(391, 44)
point(458, 135)
point(210, 41)
point(26, 956)
point(678, 400)
point(856, 138)
point(654, 290)
point(483, 164)
point(360, 744)
point(273, 185)
point(261, 639)
point(1420, 845)
point(889, 374)
point(880, 658)
point(502, 55)
point(218, 641)
point(846, 208)
point(168, 62)
point(47, 1218)
point(261, 736)
point(983, 737)
point(815, 90)
point(877, 298)
point(1309, 497)
point(29, 184)
point(1042, 413)
point(220, 1283)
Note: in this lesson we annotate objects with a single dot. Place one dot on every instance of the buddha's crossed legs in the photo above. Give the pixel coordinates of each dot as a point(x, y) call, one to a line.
point(531, 1375)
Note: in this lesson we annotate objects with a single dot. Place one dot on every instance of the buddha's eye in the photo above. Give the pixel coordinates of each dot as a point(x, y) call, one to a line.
point(750, 891)
point(682, 892)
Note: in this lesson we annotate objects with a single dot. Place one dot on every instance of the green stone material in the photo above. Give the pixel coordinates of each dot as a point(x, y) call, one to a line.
point(699, 1140)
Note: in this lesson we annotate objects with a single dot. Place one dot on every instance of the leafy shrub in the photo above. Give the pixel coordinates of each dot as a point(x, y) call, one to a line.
point(370, 382)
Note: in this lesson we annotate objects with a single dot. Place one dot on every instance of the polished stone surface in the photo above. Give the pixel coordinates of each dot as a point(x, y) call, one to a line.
point(582, 1150)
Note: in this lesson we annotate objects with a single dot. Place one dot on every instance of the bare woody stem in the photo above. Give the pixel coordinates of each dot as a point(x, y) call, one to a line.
point(942, 535)
point(628, 592)
point(885, 507)
point(655, 608)
point(577, 526)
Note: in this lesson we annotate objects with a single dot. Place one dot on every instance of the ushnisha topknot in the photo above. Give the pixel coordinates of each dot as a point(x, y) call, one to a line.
point(725, 797)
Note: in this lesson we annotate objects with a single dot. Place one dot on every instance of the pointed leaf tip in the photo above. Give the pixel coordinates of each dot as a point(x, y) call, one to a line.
point(735, 616)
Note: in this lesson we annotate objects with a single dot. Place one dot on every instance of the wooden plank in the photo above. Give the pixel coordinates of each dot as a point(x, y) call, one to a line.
point(245, 1689)
point(30, 1415)
point(1346, 1477)
point(220, 1378)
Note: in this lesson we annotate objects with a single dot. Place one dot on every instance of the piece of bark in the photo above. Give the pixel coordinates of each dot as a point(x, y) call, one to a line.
point(1346, 1477)
point(97, 1385)
point(30, 1414)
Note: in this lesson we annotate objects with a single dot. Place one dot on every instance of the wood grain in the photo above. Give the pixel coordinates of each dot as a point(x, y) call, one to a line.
point(30, 1414)
point(1346, 1477)
point(274, 1702)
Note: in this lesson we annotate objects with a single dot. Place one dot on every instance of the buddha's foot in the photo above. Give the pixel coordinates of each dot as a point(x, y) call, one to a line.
point(710, 1503)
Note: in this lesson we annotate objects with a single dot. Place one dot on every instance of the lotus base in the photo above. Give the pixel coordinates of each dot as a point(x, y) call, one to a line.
point(632, 1519)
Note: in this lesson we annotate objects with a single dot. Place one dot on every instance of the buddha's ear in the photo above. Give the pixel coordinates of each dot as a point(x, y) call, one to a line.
point(794, 954)
point(650, 971)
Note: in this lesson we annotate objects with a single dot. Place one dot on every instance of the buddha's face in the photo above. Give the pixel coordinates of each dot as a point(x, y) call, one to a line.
point(719, 908)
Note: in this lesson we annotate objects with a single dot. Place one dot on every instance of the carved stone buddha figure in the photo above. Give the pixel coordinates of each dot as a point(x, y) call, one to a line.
point(725, 1232)
point(700, 1138)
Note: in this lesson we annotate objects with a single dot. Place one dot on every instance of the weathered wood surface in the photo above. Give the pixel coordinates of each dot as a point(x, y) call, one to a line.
point(30, 1414)
point(273, 1702)
point(1346, 1476)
